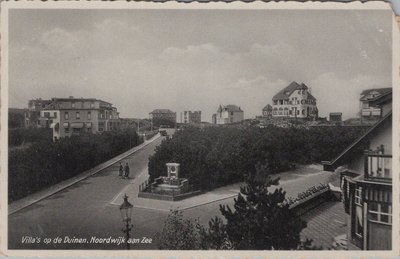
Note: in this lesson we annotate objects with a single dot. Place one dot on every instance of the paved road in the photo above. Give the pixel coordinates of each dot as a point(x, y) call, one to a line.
point(84, 210)
point(87, 209)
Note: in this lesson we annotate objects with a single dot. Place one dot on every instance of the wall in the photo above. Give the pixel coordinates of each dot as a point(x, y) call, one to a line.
point(380, 236)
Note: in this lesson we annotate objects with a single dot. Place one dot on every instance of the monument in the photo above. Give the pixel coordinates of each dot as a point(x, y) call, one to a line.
point(171, 184)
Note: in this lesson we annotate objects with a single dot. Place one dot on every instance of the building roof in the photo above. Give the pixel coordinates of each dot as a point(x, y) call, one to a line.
point(162, 111)
point(230, 107)
point(288, 90)
point(78, 100)
point(54, 104)
point(382, 92)
point(370, 131)
point(310, 97)
point(267, 107)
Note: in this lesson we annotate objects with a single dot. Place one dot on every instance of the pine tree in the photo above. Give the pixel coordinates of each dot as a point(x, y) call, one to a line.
point(260, 220)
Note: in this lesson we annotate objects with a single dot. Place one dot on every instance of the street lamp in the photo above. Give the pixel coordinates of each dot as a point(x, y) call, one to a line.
point(126, 214)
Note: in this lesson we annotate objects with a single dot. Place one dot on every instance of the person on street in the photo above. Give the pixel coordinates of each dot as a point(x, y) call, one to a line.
point(126, 171)
point(121, 170)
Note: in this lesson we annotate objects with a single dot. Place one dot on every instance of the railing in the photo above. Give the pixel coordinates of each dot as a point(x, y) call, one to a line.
point(378, 166)
point(143, 185)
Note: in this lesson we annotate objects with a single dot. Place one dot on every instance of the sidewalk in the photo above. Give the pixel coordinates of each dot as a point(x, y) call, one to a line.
point(40, 195)
point(293, 182)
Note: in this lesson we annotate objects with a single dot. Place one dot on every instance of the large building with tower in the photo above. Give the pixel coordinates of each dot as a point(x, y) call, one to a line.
point(295, 101)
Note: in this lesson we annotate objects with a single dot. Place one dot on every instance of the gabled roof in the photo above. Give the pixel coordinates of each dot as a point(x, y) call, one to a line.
point(161, 111)
point(229, 107)
point(267, 107)
point(288, 90)
point(310, 97)
point(370, 131)
point(381, 91)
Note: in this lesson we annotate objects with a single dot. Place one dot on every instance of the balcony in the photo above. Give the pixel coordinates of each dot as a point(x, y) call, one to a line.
point(378, 167)
point(371, 111)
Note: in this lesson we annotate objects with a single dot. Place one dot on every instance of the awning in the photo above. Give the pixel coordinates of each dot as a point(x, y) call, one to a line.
point(88, 124)
point(77, 125)
point(66, 124)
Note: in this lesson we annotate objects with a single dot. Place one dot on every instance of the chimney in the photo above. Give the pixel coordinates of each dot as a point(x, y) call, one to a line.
point(71, 97)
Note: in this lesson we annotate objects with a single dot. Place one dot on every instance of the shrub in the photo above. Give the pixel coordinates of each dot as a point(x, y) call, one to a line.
point(216, 156)
point(19, 136)
point(45, 163)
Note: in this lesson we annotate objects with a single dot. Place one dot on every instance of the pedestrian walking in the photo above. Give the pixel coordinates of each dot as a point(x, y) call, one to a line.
point(126, 171)
point(121, 170)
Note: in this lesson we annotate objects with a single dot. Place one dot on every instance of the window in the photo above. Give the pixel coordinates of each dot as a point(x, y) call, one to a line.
point(78, 115)
point(91, 105)
point(66, 116)
point(47, 114)
point(303, 112)
point(231, 113)
point(358, 196)
point(298, 112)
point(380, 213)
point(55, 114)
point(73, 105)
point(89, 115)
point(66, 130)
point(358, 227)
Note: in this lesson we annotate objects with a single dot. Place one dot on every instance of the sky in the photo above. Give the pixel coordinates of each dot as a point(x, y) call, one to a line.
point(141, 60)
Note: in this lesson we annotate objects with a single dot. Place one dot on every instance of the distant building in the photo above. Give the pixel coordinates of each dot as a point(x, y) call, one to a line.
point(295, 101)
point(228, 114)
point(335, 116)
point(214, 118)
point(189, 117)
point(32, 114)
point(73, 116)
point(267, 111)
point(375, 102)
point(165, 117)
point(366, 183)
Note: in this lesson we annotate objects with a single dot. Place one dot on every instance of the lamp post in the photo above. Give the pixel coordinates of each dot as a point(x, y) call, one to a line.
point(126, 214)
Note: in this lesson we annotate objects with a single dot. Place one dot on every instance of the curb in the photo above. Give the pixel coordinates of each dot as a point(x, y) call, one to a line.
point(29, 200)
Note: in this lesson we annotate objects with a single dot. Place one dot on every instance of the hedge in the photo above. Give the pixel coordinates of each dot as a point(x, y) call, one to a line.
point(216, 156)
point(43, 164)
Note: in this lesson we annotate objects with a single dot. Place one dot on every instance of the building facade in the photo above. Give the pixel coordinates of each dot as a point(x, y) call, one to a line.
point(189, 117)
point(32, 115)
point(335, 116)
point(366, 183)
point(295, 101)
point(73, 116)
point(228, 114)
point(165, 117)
point(375, 102)
point(267, 111)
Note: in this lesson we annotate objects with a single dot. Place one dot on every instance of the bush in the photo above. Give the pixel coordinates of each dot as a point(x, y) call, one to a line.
point(45, 163)
point(19, 136)
point(150, 134)
point(216, 156)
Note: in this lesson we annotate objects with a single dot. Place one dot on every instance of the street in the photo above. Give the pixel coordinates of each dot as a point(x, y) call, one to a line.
point(90, 208)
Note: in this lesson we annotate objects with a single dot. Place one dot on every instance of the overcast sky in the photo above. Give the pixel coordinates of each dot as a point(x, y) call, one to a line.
point(141, 60)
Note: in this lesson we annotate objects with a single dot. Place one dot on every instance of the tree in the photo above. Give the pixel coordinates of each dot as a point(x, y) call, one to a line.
point(261, 220)
point(179, 233)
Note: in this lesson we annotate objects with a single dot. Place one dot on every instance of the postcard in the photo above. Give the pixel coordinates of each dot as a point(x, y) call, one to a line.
point(199, 130)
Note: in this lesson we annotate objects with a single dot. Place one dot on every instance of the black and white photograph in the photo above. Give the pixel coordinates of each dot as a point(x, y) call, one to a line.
point(199, 127)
